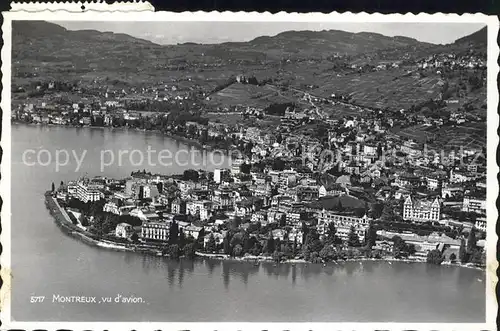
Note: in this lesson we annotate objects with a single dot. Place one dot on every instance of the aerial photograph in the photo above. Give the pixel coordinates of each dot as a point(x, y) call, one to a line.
point(248, 171)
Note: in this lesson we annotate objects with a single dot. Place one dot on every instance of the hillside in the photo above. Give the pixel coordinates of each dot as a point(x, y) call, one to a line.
point(477, 38)
point(42, 49)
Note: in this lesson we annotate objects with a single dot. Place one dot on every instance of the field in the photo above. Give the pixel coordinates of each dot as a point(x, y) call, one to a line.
point(247, 95)
point(393, 89)
point(470, 136)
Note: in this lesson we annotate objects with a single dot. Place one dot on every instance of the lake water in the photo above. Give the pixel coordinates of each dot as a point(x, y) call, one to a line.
point(46, 262)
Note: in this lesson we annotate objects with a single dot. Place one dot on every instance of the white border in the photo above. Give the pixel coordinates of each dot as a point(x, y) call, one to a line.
point(67, 11)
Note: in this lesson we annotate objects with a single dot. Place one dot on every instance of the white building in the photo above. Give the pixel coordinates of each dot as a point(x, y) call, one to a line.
point(474, 202)
point(156, 231)
point(123, 230)
point(342, 223)
point(421, 210)
point(86, 193)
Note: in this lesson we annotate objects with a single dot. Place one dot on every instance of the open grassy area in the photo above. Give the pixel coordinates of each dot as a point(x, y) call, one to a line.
point(247, 95)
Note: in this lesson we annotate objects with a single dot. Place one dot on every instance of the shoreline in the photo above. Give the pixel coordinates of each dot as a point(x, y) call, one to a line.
point(177, 138)
point(76, 232)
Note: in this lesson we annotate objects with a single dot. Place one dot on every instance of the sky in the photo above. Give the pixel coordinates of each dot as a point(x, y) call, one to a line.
point(218, 32)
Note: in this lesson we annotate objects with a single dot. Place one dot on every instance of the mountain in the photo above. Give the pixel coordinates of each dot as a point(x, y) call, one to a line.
point(42, 49)
point(478, 38)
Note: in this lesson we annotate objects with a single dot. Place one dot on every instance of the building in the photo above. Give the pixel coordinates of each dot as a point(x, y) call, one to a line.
point(421, 210)
point(201, 208)
point(193, 231)
point(343, 223)
point(434, 182)
point(178, 206)
point(123, 230)
point(480, 224)
point(85, 192)
point(154, 231)
point(424, 244)
point(217, 176)
point(331, 189)
point(474, 201)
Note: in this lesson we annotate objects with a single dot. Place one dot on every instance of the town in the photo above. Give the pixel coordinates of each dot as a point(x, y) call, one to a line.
point(279, 209)
point(335, 155)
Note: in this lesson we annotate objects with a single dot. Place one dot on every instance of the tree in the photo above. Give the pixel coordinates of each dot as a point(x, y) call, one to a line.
point(453, 257)
point(277, 244)
point(134, 237)
point(270, 247)
point(462, 252)
point(294, 246)
point(377, 210)
point(236, 222)
point(399, 246)
point(237, 250)
point(182, 239)
point(211, 244)
point(471, 241)
point(435, 257)
point(53, 187)
point(331, 232)
point(282, 222)
point(245, 168)
point(190, 251)
point(226, 245)
point(371, 235)
point(328, 253)
point(191, 174)
point(277, 256)
point(352, 238)
point(478, 257)
point(173, 234)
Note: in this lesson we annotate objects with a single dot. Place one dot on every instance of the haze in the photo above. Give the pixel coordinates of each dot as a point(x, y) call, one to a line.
point(219, 32)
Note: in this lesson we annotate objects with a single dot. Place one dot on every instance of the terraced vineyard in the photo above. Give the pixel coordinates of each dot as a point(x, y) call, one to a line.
point(469, 136)
point(393, 89)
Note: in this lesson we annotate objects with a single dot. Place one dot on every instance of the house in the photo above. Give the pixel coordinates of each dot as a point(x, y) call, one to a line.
point(259, 216)
point(385, 246)
point(451, 190)
point(178, 206)
point(331, 189)
point(201, 208)
point(307, 193)
point(434, 181)
point(421, 210)
point(123, 230)
point(475, 201)
point(219, 238)
point(193, 231)
point(480, 223)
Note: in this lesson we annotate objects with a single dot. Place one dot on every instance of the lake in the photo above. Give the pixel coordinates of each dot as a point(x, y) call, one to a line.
point(46, 262)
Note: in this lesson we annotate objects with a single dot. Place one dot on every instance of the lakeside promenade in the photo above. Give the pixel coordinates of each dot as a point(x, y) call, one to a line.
point(63, 220)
